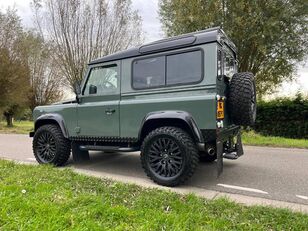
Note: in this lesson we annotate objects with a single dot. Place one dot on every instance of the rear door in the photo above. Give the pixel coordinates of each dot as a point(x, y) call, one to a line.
point(98, 109)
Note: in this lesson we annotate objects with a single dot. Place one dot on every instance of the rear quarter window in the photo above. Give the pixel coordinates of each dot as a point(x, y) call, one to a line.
point(166, 70)
point(184, 68)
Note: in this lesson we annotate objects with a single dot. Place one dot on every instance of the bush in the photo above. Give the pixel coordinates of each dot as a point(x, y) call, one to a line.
point(283, 117)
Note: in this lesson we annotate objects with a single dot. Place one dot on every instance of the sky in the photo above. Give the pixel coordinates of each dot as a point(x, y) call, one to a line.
point(148, 10)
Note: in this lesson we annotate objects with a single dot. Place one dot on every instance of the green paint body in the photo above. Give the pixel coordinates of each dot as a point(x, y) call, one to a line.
point(89, 117)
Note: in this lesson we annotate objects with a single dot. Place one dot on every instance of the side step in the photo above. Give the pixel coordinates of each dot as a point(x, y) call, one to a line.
point(108, 148)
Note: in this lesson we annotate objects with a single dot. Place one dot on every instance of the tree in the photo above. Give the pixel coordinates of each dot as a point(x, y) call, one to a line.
point(45, 79)
point(14, 72)
point(271, 35)
point(84, 30)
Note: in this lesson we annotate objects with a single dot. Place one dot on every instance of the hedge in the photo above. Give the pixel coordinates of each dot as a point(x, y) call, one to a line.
point(283, 117)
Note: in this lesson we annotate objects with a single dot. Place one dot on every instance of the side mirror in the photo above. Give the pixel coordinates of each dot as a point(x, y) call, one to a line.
point(92, 89)
point(77, 89)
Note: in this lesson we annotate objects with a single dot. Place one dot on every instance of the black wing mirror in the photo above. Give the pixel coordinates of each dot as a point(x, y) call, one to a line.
point(92, 89)
point(77, 89)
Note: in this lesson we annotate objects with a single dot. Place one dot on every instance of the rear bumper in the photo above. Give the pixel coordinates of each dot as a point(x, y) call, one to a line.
point(226, 133)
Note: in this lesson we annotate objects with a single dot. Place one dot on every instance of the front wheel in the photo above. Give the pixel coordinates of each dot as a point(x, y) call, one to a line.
point(169, 156)
point(50, 146)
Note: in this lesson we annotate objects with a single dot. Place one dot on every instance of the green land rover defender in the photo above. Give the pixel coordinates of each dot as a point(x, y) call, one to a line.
point(178, 101)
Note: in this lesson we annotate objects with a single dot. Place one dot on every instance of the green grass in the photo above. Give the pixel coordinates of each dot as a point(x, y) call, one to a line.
point(20, 127)
point(252, 138)
point(46, 198)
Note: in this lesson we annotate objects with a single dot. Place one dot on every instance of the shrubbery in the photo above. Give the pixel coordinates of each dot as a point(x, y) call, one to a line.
point(283, 117)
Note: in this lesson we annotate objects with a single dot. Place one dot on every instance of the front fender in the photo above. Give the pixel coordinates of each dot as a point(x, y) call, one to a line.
point(51, 118)
point(183, 116)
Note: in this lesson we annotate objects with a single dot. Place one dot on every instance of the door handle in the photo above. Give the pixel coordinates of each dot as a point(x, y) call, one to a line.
point(109, 111)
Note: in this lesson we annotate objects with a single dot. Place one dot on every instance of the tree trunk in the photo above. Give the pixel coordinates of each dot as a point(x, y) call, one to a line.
point(9, 119)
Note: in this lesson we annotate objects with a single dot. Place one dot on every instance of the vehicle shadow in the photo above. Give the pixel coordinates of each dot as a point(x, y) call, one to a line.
point(128, 165)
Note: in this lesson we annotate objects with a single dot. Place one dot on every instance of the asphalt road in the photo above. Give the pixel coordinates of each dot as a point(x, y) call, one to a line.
point(273, 173)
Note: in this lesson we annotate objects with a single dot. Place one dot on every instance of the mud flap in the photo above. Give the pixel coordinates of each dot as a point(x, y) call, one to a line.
point(79, 156)
point(239, 146)
point(219, 147)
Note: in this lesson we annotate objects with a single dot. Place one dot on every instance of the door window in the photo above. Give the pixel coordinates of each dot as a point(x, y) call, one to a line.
point(102, 81)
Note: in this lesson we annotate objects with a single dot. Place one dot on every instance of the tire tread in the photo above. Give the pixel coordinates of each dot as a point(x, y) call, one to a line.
point(190, 146)
point(64, 145)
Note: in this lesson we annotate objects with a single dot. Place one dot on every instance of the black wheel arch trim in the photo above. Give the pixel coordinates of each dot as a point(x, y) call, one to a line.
point(50, 118)
point(184, 116)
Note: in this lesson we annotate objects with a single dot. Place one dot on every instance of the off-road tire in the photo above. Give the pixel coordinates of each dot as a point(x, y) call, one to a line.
point(186, 146)
point(242, 99)
point(62, 145)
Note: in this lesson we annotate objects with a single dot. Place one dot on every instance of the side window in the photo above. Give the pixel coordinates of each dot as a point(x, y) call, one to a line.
point(149, 73)
point(102, 81)
point(180, 68)
point(229, 65)
point(184, 68)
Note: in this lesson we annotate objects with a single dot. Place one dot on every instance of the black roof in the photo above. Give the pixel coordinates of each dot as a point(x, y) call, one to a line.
point(185, 40)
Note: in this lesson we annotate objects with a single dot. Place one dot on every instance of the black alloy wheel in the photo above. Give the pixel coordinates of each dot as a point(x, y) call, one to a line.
point(46, 147)
point(50, 146)
point(169, 156)
point(165, 157)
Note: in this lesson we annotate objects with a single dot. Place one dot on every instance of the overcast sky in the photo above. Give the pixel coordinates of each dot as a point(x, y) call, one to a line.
point(152, 28)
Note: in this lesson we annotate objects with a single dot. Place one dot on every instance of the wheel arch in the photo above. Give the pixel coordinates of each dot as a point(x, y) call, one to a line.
point(181, 119)
point(51, 118)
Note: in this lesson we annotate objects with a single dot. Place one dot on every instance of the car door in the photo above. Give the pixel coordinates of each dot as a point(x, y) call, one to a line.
point(98, 108)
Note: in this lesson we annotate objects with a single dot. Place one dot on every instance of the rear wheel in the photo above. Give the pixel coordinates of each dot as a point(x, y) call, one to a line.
point(169, 156)
point(50, 146)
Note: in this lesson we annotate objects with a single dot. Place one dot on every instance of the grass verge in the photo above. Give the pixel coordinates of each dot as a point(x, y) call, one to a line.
point(20, 127)
point(253, 138)
point(45, 198)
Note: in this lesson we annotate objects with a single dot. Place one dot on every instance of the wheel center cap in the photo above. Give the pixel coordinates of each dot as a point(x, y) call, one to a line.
point(165, 156)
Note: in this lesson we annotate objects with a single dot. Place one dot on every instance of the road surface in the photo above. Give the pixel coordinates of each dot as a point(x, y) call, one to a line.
point(272, 173)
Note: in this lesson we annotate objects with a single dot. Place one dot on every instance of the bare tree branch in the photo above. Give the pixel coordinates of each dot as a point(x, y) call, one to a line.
point(82, 30)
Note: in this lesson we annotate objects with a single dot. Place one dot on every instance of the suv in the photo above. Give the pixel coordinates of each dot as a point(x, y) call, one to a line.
point(177, 100)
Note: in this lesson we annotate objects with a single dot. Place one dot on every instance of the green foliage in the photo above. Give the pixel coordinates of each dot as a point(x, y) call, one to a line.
point(256, 139)
point(46, 81)
point(283, 117)
point(45, 198)
point(271, 35)
point(27, 76)
point(14, 72)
